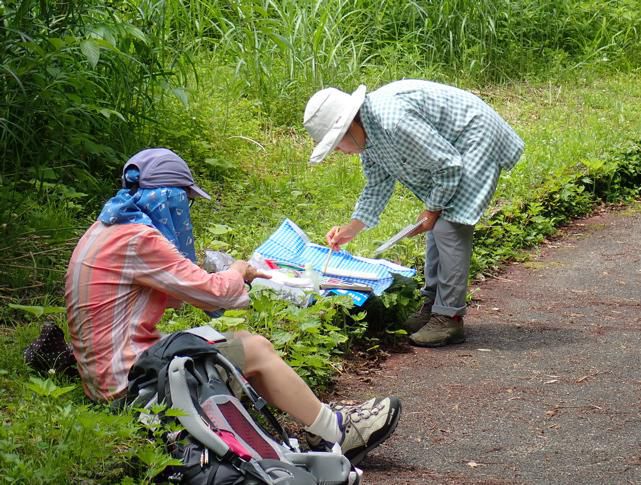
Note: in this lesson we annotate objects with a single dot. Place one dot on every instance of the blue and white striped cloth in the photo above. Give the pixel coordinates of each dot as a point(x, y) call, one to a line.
point(289, 244)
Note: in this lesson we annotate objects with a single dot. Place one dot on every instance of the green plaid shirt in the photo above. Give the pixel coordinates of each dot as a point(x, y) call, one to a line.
point(444, 144)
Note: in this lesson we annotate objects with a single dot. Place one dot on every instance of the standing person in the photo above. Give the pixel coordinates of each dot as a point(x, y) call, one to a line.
point(138, 259)
point(444, 144)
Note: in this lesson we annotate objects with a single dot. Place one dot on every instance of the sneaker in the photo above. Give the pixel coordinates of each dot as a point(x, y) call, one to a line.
point(367, 425)
point(418, 319)
point(316, 443)
point(440, 331)
point(364, 427)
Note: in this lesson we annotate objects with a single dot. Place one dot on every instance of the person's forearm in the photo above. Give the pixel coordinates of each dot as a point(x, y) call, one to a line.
point(339, 235)
point(356, 226)
point(431, 216)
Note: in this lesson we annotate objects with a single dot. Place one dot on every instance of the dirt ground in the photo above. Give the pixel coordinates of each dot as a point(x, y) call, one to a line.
point(547, 387)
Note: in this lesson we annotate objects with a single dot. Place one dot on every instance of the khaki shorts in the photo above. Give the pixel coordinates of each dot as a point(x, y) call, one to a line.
point(233, 350)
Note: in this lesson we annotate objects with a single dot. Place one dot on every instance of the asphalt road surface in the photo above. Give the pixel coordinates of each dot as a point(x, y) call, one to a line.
point(547, 387)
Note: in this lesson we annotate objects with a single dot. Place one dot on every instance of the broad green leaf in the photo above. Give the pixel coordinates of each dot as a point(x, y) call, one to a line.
point(309, 325)
point(230, 321)
point(174, 412)
point(103, 32)
point(359, 316)
point(217, 163)
point(218, 229)
point(156, 460)
point(46, 387)
point(337, 338)
point(182, 95)
point(57, 43)
point(104, 44)
point(281, 338)
point(91, 51)
point(236, 313)
point(218, 245)
point(34, 48)
point(148, 455)
point(136, 32)
point(157, 408)
point(38, 310)
point(400, 331)
point(314, 361)
point(108, 113)
point(86, 420)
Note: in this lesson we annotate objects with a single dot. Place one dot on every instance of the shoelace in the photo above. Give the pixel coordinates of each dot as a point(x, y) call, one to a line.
point(356, 413)
point(442, 321)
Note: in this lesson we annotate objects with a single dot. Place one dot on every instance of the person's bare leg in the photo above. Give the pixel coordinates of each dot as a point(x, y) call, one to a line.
point(370, 423)
point(276, 381)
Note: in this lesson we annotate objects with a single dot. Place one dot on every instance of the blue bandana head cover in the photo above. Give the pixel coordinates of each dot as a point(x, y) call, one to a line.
point(165, 208)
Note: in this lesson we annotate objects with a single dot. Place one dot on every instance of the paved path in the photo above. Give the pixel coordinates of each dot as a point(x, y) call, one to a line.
point(547, 387)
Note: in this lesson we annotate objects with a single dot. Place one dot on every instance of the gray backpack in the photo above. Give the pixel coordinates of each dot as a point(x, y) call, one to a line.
point(222, 442)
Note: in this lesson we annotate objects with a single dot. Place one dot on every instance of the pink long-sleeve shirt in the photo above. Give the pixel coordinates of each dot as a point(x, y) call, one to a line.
point(120, 280)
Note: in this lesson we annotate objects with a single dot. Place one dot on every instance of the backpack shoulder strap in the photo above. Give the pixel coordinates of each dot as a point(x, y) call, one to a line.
point(191, 420)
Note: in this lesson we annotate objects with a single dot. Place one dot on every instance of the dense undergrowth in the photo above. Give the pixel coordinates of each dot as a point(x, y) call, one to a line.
point(85, 84)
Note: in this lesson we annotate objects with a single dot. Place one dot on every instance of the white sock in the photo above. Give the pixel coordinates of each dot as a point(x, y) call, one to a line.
point(326, 425)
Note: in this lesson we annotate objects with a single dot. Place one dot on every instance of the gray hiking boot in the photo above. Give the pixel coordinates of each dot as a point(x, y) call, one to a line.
point(439, 331)
point(418, 319)
point(367, 425)
point(364, 427)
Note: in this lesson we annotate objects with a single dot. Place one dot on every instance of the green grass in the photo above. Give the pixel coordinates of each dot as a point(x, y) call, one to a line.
point(96, 80)
point(567, 124)
point(259, 177)
point(562, 125)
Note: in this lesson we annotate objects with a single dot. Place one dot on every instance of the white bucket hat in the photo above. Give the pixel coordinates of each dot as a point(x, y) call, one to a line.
point(328, 115)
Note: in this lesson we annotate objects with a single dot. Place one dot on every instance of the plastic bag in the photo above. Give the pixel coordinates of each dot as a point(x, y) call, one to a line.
point(216, 261)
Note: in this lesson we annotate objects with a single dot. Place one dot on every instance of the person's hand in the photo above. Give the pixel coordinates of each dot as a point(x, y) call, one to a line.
point(248, 272)
point(339, 235)
point(430, 219)
point(252, 273)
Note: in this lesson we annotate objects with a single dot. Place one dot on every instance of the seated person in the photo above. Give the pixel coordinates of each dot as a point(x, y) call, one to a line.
point(138, 258)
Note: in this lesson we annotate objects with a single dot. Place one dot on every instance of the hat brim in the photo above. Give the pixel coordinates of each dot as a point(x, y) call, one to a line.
point(336, 133)
point(196, 191)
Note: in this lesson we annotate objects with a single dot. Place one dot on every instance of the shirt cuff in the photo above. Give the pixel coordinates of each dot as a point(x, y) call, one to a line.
point(367, 219)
